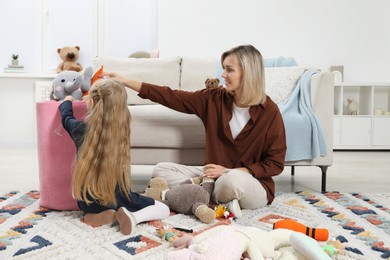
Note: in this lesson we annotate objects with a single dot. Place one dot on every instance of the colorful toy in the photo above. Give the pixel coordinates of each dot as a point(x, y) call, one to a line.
point(222, 212)
point(97, 74)
point(329, 249)
point(167, 233)
point(319, 234)
point(332, 247)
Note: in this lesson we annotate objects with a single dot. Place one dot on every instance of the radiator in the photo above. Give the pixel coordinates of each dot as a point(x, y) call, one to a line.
point(43, 90)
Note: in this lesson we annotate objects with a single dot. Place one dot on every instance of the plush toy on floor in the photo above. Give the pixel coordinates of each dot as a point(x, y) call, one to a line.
point(189, 199)
point(205, 182)
point(167, 233)
point(319, 234)
point(222, 212)
point(238, 242)
point(71, 83)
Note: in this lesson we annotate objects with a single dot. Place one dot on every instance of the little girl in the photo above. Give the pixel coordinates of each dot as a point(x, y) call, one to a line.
point(101, 178)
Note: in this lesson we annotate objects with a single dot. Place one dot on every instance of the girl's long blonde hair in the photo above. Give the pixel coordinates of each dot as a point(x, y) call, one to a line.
point(103, 162)
point(253, 78)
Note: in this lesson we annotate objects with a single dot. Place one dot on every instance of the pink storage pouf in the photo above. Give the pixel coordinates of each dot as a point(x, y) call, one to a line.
point(56, 155)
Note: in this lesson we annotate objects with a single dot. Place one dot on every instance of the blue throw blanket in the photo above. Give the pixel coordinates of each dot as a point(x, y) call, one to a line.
point(300, 121)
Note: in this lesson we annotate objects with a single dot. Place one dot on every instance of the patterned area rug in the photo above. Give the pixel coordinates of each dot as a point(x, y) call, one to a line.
point(361, 222)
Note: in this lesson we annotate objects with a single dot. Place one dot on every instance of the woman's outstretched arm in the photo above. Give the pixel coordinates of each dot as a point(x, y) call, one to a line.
point(132, 84)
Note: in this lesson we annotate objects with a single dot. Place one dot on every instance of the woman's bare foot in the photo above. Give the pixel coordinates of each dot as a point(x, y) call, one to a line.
point(106, 217)
point(126, 221)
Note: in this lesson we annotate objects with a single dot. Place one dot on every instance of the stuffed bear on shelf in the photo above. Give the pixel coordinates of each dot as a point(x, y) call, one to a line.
point(69, 56)
point(189, 199)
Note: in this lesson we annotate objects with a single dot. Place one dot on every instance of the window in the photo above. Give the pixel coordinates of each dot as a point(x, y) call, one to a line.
point(99, 27)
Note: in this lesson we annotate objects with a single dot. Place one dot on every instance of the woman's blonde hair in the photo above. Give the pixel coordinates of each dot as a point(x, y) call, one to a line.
point(253, 83)
point(103, 162)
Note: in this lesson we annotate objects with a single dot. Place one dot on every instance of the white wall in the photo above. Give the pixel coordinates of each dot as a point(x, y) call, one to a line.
point(17, 110)
point(317, 33)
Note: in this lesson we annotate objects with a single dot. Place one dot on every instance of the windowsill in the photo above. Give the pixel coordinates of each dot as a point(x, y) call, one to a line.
point(27, 75)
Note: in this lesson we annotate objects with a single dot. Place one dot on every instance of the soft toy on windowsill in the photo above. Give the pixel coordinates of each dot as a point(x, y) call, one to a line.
point(69, 56)
point(71, 83)
point(189, 199)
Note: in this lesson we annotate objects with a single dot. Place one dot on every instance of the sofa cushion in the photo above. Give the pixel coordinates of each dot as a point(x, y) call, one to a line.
point(161, 71)
point(159, 126)
point(281, 81)
point(155, 155)
point(195, 71)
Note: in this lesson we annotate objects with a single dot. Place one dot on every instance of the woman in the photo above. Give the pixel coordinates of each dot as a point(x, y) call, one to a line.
point(101, 179)
point(245, 135)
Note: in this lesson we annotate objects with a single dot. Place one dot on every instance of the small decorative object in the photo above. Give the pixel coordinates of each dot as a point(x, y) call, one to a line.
point(352, 106)
point(15, 60)
point(14, 66)
point(378, 112)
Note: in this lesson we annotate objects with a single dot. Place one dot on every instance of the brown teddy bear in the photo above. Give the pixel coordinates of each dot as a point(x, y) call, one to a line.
point(212, 83)
point(186, 198)
point(69, 56)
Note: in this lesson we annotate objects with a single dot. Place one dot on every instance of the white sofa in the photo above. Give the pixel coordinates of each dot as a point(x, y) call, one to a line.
point(160, 134)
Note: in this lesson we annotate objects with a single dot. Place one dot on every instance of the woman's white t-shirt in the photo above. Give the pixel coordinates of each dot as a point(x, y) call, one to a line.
point(239, 119)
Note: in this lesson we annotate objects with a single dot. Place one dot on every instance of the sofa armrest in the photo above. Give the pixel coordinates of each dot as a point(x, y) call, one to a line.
point(322, 100)
point(322, 92)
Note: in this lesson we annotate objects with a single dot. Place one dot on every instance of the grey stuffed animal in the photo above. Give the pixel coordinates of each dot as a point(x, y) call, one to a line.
point(71, 83)
point(190, 199)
